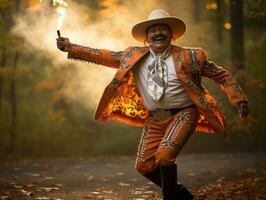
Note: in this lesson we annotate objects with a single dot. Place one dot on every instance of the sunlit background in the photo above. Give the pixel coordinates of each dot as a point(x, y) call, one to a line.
point(47, 102)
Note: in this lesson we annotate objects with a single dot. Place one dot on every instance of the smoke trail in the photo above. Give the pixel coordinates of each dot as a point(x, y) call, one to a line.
point(109, 28)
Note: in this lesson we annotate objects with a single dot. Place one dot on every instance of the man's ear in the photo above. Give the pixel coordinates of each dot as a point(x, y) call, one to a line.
point(146, 40)
point(145, 43)
point(173, 38)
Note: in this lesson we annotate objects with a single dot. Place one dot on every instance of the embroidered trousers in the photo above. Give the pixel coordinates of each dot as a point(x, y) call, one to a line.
point(161, 141)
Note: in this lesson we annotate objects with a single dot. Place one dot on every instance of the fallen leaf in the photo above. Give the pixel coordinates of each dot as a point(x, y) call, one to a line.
point(42, 198)
point(35, 175)
point(136, 192)
point(124, 184)
point(49, 178)
point(95, 193)
point(26, 193)
point(47, 189)
point(17, 186)
point(5, 198)
point(107, 191)
point(30, 185)
point(120, 174)
point(148, 192)
point(88, 195)
point(90, 178)
point(191, 174)
point(58, 184)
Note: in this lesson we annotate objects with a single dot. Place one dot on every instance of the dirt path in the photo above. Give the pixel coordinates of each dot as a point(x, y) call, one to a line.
point(209, 176)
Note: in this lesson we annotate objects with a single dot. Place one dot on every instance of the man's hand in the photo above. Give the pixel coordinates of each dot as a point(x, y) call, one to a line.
point(63, 44)
point(243, 110)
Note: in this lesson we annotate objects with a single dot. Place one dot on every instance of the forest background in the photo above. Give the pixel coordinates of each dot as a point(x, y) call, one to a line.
point(47, 102)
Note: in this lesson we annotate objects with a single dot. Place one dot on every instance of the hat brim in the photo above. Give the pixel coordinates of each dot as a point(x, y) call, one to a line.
point(177, 26)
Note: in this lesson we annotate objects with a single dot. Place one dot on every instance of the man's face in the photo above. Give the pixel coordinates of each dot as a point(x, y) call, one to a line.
point(159, 37)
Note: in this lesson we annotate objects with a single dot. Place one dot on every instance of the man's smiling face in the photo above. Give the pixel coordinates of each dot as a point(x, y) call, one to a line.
point(159, 37)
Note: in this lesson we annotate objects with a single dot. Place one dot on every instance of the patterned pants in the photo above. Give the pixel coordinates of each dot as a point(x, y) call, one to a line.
point(161, 141)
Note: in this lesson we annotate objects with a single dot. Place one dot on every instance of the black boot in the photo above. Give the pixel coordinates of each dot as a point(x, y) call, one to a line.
point(169, 180)
point(155, 177)
point(183, 193)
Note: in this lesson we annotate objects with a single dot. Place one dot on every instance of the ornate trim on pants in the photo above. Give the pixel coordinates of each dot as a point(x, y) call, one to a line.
point(161, 141)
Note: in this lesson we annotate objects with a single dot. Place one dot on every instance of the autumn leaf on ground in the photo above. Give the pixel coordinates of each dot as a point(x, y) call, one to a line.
point(26, 193)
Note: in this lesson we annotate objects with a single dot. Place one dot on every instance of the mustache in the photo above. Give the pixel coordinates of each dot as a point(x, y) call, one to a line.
point(155, 37)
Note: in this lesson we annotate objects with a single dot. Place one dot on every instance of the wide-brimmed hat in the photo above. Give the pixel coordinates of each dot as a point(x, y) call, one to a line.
point(159, 16)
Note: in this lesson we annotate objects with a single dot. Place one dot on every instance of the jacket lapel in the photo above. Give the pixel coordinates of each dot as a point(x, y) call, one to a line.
point(129, 59)
point(195, 91)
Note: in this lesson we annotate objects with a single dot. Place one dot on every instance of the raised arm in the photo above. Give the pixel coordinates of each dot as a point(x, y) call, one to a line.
point(98, 56)
point(226, 81)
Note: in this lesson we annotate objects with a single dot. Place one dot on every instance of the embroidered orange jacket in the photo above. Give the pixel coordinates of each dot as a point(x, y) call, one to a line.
point(122, 101)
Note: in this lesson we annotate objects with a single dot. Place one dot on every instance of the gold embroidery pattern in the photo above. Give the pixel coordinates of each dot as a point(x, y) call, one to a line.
point(143, 142)
point(95, 53)
point(128, 103)
point(180, 119)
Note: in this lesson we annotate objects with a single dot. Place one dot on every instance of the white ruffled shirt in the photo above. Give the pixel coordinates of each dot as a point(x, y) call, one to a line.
point(174, 95)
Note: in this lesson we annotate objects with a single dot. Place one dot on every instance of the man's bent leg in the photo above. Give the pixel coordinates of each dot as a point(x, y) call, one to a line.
point(153, 132)
point(177, 134)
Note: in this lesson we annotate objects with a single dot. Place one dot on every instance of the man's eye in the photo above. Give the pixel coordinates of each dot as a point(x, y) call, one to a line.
point(163, 29)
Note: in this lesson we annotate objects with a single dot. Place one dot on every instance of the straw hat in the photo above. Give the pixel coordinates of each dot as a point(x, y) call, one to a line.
point(159, 16)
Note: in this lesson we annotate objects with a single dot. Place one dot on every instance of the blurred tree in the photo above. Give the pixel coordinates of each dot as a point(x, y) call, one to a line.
point(13, 98)
point(237, 34)
point(255, 12)
point(4, 31)
point(2, 65)
point(9, 50)
point(13, 101)
point(220, 20)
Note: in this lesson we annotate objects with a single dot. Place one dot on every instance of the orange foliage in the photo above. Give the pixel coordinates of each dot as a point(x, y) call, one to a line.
point(34, 4)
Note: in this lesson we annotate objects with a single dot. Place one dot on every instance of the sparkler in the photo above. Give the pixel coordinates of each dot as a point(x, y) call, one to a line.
point(61, 10)
point(58, 33)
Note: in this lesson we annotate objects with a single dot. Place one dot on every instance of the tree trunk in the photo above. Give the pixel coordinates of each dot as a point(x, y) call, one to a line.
point(237, 34)
point(2, 65)
point(13, 102)
point(220, 20)
point(13, 97)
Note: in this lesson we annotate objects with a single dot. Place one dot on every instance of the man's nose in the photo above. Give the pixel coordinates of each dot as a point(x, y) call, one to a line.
point(157, 31)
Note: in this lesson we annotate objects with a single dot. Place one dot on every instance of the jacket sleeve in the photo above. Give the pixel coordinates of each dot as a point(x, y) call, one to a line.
point(223, 77)
point(97, 56)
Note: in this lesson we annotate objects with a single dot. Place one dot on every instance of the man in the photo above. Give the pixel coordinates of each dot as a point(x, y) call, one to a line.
point(159, 86)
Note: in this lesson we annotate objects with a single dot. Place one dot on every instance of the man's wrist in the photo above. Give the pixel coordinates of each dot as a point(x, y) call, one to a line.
point(68, 47)
point(240, 102)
